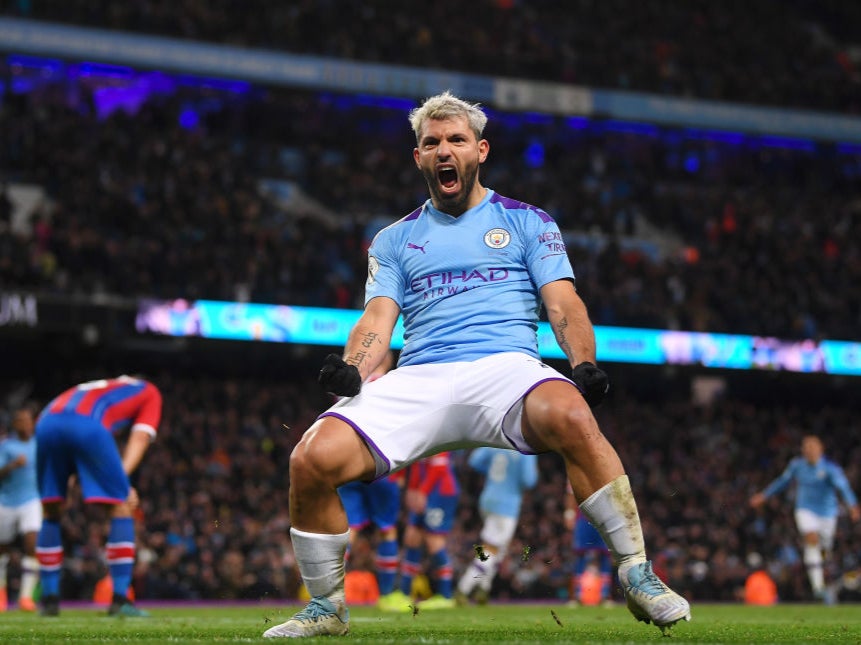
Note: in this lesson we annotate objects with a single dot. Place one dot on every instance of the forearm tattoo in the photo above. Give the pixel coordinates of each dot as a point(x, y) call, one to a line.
point(560, 328)
point(367, 340)
point(356, 359)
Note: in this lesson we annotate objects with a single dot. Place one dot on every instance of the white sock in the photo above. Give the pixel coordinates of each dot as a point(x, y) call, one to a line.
point(29, 575)
point(479, 573)
point(468, 580)
point(613, 512)
point(4, 563)
point(813, 562)
point(320, 557)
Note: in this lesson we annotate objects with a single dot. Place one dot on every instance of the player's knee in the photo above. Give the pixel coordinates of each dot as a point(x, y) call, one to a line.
point(435, 542)
point(310, 463)
point(122, 510)
point(52, 511)
point(412, 537)
point(568, 424)
point(302, 464)
point(390, 533)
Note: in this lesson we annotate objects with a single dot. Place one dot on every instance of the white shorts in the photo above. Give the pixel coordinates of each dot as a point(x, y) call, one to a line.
point(420, 410)
point(498, 530)
point(809, 522)
point(18, 520)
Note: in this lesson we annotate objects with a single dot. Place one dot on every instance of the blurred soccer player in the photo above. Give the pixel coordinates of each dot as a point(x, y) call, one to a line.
point(508, 474)
point(377, 504)
point(431, 498)
point(75, 436)
point(468, 271)
point(589, 549)
point(818, 481)
point(20, 509)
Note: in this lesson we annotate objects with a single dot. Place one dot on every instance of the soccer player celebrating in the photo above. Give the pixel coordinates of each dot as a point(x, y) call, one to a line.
point(818, 480)
point(508, 474)
point(75, 435)
point(20, 509)
point(468, 270)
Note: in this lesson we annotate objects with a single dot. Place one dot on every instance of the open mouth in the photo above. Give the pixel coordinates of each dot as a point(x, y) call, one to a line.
point(447, 177)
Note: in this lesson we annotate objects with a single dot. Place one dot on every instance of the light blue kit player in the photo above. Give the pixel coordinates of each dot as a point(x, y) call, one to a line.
point(469, 271)
point(818, 481)
point(508, 474)
point(20, 506)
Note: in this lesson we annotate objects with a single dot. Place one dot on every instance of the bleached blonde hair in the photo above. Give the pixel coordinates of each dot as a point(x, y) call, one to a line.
point(446, 106)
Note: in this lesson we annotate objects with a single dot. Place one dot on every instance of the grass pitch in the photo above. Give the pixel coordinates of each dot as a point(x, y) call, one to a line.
point(497, 624)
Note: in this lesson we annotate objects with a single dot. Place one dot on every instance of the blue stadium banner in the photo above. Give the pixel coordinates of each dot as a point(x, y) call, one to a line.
point(247, 321)
point(224, 61)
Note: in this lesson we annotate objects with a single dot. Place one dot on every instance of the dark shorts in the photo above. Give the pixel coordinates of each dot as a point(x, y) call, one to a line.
point(377, 503)
point(69, 443)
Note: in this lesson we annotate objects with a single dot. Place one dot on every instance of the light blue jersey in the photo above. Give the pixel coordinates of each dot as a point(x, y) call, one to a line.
point(19, 486)
point(817, 486)
point(509, 474)
point(454, 278)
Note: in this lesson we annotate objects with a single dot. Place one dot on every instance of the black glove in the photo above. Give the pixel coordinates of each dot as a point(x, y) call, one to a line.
point(339, 378)
point(592, 381)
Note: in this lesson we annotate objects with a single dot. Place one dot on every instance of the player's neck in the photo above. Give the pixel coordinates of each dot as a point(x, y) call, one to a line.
point(476, 196)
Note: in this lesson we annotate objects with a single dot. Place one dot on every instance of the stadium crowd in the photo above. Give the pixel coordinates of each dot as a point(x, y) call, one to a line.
point(797, 53)
point(669, 229)
point(214, 520)
point(666, 229)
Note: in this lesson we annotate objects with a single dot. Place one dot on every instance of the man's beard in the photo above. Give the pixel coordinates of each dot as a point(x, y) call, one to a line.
point(454, 204)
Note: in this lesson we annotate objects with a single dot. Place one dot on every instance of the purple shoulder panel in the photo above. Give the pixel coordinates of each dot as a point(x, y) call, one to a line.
point(414, 215)
point(513, 204)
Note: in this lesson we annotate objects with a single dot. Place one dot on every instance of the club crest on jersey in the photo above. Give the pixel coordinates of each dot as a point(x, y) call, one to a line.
point(497, 238)
point(373, 267)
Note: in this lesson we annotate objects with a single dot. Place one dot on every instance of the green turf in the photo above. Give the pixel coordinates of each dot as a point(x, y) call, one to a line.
point(497, 624)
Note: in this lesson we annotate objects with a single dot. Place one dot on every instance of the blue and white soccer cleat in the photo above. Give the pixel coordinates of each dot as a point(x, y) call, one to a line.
point(319, 618)
point(650, 600)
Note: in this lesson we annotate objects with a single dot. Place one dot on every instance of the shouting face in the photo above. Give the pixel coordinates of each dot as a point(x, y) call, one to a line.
point(448, 154)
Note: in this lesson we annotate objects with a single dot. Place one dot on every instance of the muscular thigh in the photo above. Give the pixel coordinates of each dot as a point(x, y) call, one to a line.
point(551, 411)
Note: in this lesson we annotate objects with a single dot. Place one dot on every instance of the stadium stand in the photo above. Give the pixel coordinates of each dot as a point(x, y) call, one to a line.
point(666, 230)
point(798, 53)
